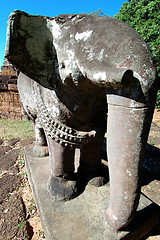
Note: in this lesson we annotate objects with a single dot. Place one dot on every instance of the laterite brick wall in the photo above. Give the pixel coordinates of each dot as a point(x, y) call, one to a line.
point(10, 105)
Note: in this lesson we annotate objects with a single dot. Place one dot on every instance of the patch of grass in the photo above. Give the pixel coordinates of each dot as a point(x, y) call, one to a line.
point(25, 173)
point(151, 142)
point(17, 188)
point(41, 233)
point(8, 196)
point(20, 158)
point(21, 162)
point(158, 100)
point(32, 207)
point(20, 154)
point(15, 128)
point(21, 224)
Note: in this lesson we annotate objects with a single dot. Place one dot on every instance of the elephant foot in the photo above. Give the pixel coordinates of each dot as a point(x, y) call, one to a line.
point(117, 223)
point(63, 189)
point(96, 176)
point(98, 181)
point(40, 151)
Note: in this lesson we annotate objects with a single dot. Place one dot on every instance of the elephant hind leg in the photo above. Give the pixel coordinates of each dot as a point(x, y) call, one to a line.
point(39, 134)
point(63, 184)
point(40, 148)
point(91, 168)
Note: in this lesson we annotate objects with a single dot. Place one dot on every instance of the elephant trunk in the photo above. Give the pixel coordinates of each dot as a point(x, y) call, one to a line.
point(127, 132)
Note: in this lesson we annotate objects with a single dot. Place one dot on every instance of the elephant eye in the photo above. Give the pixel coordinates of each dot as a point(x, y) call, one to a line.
point(62, 65)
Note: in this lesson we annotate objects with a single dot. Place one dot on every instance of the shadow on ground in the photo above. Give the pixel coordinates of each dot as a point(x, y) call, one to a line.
point(151, 165)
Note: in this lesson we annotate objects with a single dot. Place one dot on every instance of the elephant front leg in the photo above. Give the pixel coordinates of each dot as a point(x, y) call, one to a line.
point(127, 131)
point(91, 168)
point(62, 182)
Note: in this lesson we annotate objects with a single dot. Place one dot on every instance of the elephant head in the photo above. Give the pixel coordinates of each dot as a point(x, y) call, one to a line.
point(111, 56)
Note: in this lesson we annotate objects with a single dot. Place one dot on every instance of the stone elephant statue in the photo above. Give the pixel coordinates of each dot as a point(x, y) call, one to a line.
point(76, 69)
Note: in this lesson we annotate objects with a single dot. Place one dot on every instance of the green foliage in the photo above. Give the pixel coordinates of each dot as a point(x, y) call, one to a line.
point(151, 142)
point(8, 196)
point(21, 224)
point(98, 13)
point(32, 207)
point(144, 17)
point(158, 100)
point(21, 162)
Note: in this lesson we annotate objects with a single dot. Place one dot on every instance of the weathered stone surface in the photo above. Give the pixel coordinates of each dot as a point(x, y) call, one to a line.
point(75, 61)
point(83, 217)
point(70, 43)
point(12, 87)
point(10, 105)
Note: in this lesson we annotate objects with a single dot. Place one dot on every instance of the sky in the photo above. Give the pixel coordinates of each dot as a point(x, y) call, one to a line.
point(52, 8)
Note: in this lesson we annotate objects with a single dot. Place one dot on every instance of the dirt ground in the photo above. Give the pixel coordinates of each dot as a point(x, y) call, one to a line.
point(19, 219)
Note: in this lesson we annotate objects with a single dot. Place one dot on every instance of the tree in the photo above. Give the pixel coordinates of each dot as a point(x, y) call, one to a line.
point(98, 13)
point(144, 17)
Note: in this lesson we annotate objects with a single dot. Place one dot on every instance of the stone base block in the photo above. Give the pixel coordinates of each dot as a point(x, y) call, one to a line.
point(83, 217)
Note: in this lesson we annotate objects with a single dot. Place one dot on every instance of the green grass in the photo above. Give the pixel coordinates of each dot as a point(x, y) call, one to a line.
point(8, 196)
point(158, 100)
point(15, 128)
point(21, 224)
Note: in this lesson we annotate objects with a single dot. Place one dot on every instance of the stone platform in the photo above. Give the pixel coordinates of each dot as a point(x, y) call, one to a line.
point(82, 218)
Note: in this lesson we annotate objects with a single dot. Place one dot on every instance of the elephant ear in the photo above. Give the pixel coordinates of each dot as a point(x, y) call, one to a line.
point(29, 47)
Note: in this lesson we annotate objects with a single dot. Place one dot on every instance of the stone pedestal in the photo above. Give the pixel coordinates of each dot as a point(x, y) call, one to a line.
point(83, 217)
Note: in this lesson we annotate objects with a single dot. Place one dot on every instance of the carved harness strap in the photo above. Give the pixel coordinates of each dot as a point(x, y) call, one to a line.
point(58, 131)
